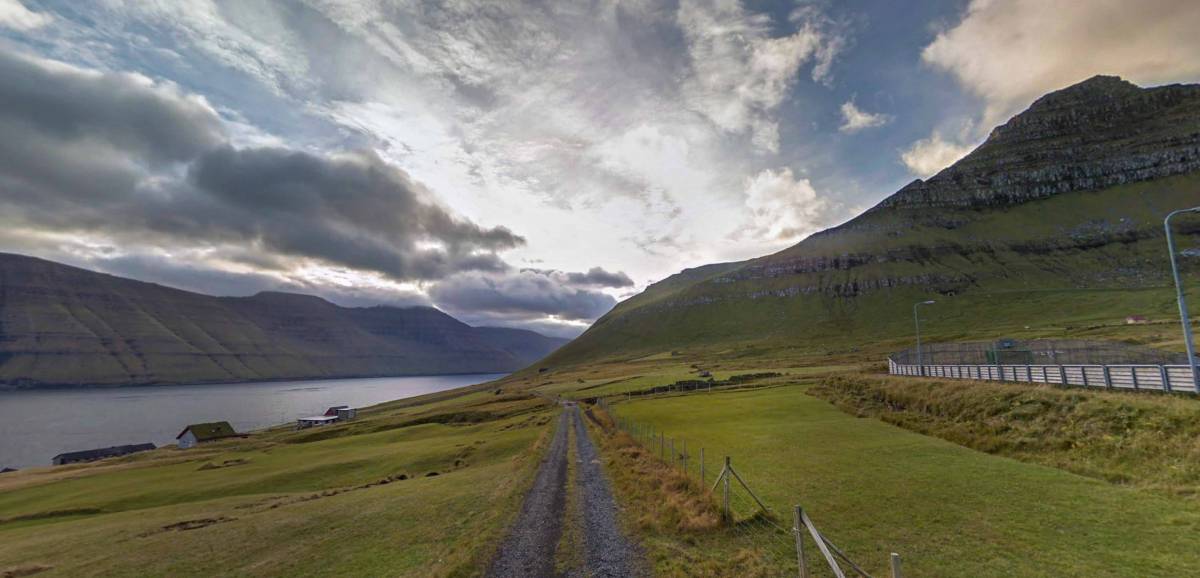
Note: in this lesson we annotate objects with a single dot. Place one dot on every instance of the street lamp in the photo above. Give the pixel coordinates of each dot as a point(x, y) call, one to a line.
point(1183, 310)
point(917, 321)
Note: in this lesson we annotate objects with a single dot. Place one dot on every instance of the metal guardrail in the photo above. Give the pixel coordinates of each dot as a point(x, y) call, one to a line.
point(1166, 378)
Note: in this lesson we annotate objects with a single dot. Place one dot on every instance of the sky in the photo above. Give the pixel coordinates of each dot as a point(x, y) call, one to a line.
point(524, 164)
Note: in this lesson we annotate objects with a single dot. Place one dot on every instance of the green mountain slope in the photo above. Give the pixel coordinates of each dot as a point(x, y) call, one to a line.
point(1053, 225)
point(62, 325)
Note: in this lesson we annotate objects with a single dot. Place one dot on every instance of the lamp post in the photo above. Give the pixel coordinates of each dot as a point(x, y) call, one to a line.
point(1183, 310)
point(917, 321)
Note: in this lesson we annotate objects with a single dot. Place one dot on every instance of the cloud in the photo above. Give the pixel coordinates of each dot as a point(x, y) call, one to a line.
point(928, 156)
point(121, 156)
point(155, 122)
point(740, 72)
point(855, 119)
point(14, 15)
point(594, 277)
point(526, 294)
point(1009, 52)
point(784, 208)
point(350, 209)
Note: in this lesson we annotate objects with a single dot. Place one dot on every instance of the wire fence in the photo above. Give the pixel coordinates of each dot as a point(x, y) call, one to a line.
point(1037, 352)
point(745, 514)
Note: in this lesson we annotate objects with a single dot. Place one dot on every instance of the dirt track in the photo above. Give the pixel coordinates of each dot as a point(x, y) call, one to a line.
point(528, 550)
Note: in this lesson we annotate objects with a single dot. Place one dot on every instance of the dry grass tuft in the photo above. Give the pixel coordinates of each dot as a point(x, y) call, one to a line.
point(671, 499)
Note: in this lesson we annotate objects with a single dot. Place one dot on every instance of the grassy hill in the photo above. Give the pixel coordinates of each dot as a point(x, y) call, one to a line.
point(62, 325)
point(1051, 227)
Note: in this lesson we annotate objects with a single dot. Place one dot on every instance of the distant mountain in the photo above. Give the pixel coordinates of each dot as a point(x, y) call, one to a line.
point(61, 325)
point(1054, 221)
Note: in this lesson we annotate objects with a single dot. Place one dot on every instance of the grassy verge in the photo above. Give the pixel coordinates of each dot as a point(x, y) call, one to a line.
point(407, 490)
point(675, 517)
point(874, 488)
point(1144, 440)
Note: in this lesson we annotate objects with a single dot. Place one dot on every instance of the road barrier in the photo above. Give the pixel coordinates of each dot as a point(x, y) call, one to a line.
point(1165, 378)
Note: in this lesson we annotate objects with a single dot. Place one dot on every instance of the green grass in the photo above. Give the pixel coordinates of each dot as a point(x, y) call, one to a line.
point(874, 488)
point(353, 499)
point(1139, 439)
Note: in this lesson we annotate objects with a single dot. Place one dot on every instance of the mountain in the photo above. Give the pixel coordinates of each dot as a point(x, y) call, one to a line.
point(1052, 224)
point(61, 325)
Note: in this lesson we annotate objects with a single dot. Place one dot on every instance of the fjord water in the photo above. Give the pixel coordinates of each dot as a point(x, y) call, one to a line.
point(37, 425)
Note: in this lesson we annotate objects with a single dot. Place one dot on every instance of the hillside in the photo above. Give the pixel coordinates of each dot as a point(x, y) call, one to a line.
point(61, 325)
point(1053, 224)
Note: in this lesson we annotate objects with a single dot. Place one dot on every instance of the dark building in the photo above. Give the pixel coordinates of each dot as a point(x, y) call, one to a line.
point(99, 454)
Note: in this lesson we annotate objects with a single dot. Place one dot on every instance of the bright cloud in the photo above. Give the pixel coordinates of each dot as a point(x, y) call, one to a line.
point(1009, 52)
point(14, 14)
point(855, 119)
point(928, 156)
point(784, 209)
point(740, 73)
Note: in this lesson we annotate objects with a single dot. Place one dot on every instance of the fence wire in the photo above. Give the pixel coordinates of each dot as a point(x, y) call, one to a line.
point(767, 533)
point(1037, 352)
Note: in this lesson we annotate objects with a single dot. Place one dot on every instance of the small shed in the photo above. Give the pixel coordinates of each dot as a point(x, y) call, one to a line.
point(342, 412)
point(204, 432)
point(99, 454)
point(316, 420)
point(1136, 320)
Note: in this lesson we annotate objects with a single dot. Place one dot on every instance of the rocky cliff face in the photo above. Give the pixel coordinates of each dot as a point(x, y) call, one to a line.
point(62, 325)
point(1096, 134)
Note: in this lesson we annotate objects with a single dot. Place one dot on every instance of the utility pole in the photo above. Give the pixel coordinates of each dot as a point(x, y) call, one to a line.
point(917, 321)
point(1179, 296)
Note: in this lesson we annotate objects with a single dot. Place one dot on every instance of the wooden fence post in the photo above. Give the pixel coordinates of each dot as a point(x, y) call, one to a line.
point(726, 500)
point(701, 466)
point(801, 560)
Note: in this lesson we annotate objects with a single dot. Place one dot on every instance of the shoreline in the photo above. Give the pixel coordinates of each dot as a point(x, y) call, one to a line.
point(10, 388)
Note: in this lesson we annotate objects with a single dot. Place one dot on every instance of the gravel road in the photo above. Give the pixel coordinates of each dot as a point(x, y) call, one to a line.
point(607, 552)
point(528, 551)
point(529, 548)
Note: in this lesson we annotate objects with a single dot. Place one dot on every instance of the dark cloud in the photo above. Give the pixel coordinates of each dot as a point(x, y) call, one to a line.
point(598, 277)
point(140, 163)
point(529, 294)
point(351, 209)
point(155, 122)
point(594, 277)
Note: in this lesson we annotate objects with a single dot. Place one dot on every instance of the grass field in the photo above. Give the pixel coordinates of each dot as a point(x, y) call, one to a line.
point(874, 488)
point(410, 489)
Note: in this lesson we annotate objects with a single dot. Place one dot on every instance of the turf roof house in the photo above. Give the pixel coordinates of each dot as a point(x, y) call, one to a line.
point(204, 432)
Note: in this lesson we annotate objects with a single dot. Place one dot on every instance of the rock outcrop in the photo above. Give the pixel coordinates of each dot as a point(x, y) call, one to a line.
point(1096, 134)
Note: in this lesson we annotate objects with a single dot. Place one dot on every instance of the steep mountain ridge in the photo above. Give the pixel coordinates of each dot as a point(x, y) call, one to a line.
point(61, 325)
point(1061, 204)
point(1100, 133)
